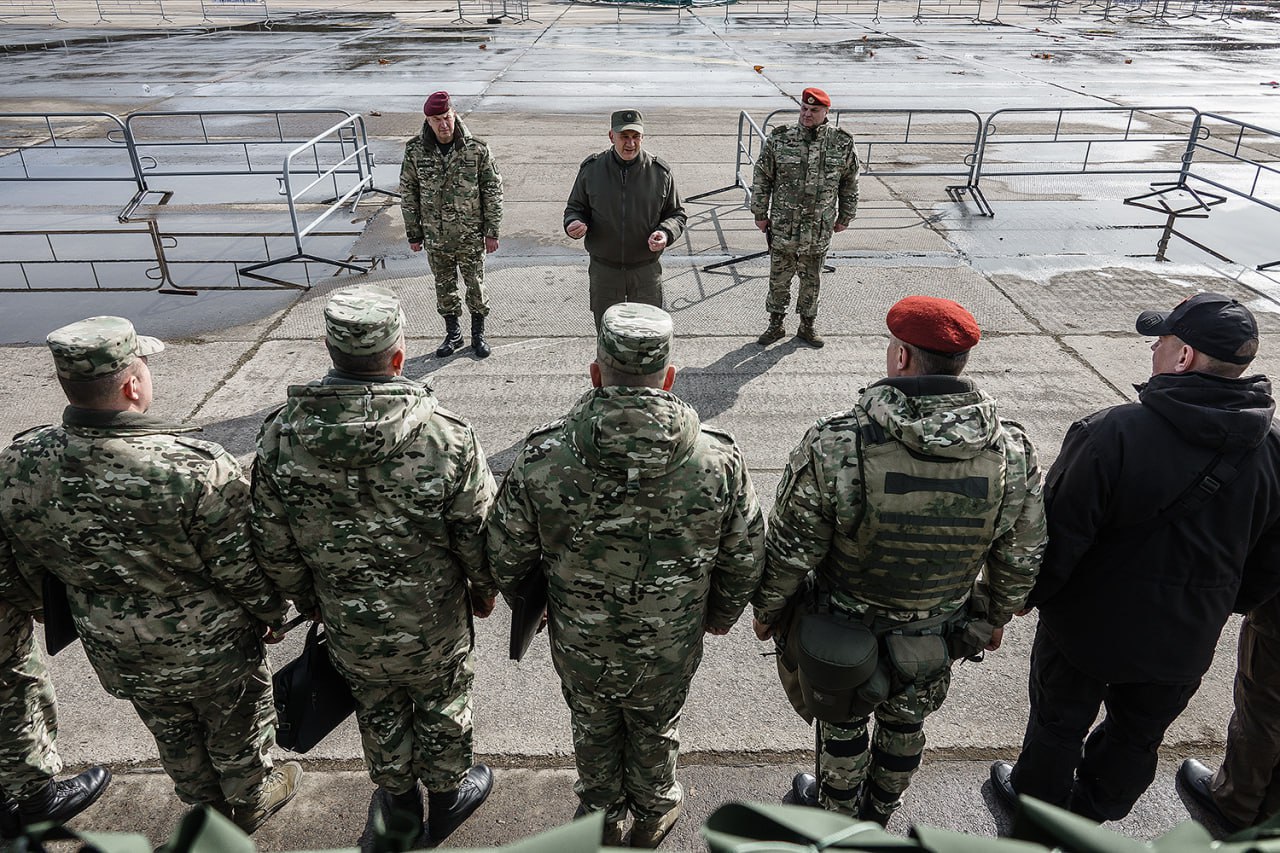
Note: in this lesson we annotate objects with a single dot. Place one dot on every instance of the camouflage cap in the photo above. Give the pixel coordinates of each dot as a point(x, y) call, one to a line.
point(635, 338)
point(97, 347)
point(363, 320)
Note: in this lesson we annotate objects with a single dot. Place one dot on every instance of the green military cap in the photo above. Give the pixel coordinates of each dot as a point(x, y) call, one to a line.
point(626, 120)
point(98, 346)
point(635, 338)
point(363, 320)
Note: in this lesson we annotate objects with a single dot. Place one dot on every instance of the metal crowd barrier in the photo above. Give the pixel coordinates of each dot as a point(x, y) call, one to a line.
point(149, 8)
point(933, 9)
point(493, 11)
point(254, 10)
point(229, 143)
point(1079, 140)
point(308, 155)
point(58, 147)
point(29, 9)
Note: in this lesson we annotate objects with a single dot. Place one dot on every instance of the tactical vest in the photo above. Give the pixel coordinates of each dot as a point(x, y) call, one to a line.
point(925, 526)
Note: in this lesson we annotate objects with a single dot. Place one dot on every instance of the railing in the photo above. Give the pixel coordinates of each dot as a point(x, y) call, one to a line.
point(83, 147)
point(933, 9)
point(493, 11)
point(308, 154)
point(29, 9)
point(1028, 142)
point(254, 10)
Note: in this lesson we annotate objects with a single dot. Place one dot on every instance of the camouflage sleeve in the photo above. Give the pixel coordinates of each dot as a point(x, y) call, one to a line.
point(490, 194)
point(800, 530)
point(273, 541)
point(410, 198)
point(512, 544)
point(762, 178)
point(220, 534)
point(1015, 557)
point(578, 207)
point(848, 191)
point(14, 586)
point(740, 560)
point(673, 215)
point(465, 517)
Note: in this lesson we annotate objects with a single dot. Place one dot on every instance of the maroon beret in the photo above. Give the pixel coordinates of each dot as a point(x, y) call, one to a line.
point(815, 97)
point(933, 324)
point(437, 105)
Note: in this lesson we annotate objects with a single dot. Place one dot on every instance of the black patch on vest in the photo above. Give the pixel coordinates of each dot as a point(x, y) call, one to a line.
point(908, 520)
point(896, 483)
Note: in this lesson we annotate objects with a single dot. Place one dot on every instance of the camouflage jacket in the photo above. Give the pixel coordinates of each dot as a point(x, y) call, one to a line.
point(820, 497)
point(369, 501)
point(17, 602)
point(805, 183)
point(623, 206)
point(149, 530)
point(648, 528)
point(451, 203)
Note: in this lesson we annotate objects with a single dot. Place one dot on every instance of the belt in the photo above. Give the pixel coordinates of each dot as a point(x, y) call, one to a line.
point(611, 265)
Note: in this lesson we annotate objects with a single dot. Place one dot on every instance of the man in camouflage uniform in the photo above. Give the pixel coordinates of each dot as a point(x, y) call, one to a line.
point(369, 500)
point(624, 202)
point(148, 528)
point(896, 506)
point(647, 527)
point(804, 189)
point(29, 719)
point(451, 197)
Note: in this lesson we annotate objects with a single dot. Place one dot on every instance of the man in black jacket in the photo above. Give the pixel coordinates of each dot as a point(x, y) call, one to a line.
point(1164, 517)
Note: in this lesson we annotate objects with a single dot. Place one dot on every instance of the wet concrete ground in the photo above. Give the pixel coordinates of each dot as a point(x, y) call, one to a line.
point(1055, 278)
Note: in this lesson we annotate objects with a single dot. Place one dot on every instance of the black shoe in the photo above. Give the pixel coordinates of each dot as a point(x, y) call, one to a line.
point(478, 344)
point(409, 803)
point(1002, 782)
point(61, 801)
point(446, 811)
point(452, 337)
point(804, 790)
point(1195, 777)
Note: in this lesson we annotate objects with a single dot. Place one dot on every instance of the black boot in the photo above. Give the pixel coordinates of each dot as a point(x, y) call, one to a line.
point(452, 337)
point(446, 810)
point(775, 332)
point(408, 805)
point(804, 790)
point(478, 344)
point(61, 801)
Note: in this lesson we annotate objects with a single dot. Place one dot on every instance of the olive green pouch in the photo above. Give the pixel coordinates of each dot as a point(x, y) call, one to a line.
point(836, 656)
point(917, 658)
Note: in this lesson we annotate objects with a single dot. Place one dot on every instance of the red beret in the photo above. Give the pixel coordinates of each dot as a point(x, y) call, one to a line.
point(937, 325)
point(815, 97)
point(437, 105)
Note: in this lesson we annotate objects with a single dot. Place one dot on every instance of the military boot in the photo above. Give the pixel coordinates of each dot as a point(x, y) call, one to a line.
point(408, 805)
point(775, 332)
point(452, 337)
point(804, 790)
point(613, 827)
point(278, 788)
point(61, 801)
point(808, 335)
point(478, 344)
point(649, 833)
point(447, 810)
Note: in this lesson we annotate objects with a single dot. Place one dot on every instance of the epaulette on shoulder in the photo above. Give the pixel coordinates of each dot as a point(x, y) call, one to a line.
point(781, 130)
point(661, 164)
point(847, 418)
point(590, 159)
point(30, 430)
point(271, 415)
point(452, 417)
point(205, 448)
point(544, 429)
point(719, 433)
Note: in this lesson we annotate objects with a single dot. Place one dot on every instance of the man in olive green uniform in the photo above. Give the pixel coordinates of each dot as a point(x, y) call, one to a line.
point(148, 528)
point(29, 718)
point(625, 204)
point(369, 500)
point(451, 197)
point(647, 527)
point(896, 507)
point(804, 189)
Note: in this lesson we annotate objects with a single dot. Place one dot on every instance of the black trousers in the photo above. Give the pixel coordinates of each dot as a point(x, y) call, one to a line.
point(1118, 760)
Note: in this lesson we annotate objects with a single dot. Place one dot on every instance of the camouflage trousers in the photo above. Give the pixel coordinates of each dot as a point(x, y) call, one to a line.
point(611, 284)
point(445, 267)
point(1247, 787)
point(216, 749)
point(784, 266)
point(868, 775)
point(412, 732)
point(626, 754)
point(28, 720)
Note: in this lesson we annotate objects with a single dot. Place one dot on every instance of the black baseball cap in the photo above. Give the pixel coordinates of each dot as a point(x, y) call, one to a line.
point(1216, 325)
